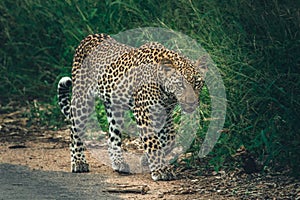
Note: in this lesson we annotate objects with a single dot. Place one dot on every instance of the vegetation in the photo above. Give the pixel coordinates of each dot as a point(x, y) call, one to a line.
point(255, 44)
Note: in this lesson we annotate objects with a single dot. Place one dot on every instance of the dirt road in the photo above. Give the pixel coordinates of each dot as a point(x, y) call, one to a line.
point(35, 164)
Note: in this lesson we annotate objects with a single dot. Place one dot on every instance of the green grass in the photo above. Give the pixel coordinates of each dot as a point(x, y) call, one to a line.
point(255, 44)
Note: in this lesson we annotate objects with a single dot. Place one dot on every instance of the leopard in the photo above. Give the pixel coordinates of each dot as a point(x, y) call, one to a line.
point(150, 80)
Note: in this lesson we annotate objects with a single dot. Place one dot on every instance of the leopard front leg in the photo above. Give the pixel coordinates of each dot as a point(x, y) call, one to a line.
point(167, 134)
point(150, 121)
point(155, 153)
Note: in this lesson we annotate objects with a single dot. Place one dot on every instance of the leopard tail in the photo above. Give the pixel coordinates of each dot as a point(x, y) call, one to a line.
point(63, 94)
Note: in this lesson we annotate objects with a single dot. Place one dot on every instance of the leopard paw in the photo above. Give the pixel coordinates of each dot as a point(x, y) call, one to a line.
point(122, 168)
point(164, 174)
point(79, 166)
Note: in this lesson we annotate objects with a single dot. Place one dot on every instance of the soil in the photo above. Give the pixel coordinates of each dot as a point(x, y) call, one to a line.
point(35, 164)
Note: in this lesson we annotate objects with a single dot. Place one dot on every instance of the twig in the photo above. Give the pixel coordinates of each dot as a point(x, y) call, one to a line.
point(140, 189)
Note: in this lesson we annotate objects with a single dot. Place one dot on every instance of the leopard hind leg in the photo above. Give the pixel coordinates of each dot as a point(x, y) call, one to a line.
point(81, 108)
point(115, 117)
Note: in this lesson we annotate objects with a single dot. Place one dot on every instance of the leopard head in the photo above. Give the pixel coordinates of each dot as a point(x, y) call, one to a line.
point(175, 83)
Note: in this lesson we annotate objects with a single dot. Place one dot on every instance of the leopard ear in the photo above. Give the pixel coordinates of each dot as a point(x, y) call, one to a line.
point(201, 65)
point(165, 68)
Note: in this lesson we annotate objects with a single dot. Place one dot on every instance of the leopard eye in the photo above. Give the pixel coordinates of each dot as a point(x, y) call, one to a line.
point(179, 85)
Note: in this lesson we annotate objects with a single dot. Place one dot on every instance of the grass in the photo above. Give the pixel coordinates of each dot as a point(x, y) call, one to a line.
point(255, 45)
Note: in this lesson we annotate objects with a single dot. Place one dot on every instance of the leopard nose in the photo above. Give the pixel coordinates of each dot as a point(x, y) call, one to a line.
point(189, 107)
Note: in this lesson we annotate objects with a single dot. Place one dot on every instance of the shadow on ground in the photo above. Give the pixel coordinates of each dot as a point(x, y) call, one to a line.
point(19, 182)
